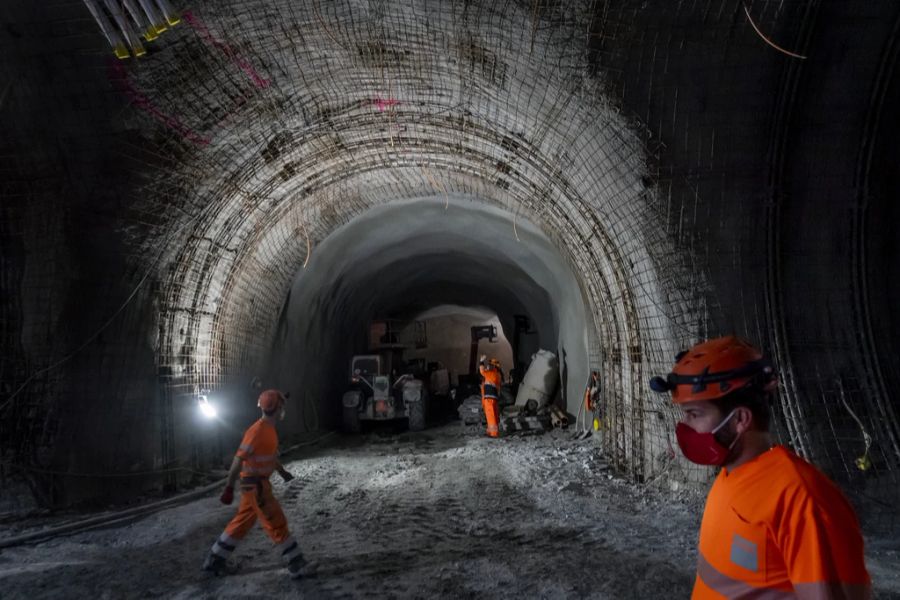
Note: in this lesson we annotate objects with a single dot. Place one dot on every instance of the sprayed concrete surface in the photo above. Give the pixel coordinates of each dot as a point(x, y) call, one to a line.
point(444, 513)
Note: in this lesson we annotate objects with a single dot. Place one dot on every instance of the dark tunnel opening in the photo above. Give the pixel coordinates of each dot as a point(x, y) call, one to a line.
point(381, 265)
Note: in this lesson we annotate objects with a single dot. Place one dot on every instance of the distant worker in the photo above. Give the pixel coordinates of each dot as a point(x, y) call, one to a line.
point(774, 526)
point(590, 405)
point(255, 460)
point(490, 391)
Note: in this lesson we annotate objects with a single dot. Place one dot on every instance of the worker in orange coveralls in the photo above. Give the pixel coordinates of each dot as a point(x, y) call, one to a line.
point(255, 460)
point(490, 391)
point(774, 526)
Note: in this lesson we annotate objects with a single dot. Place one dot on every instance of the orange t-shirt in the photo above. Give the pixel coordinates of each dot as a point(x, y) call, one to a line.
point(259, 450)
point(776, 527)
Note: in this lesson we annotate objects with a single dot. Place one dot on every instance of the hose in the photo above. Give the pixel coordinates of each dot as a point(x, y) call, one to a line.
point(122, 517)
point(117, 518)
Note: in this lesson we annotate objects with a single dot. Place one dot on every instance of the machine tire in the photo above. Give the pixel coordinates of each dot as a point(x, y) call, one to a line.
point(352, 401)
point(417, 415)
point(350, 420)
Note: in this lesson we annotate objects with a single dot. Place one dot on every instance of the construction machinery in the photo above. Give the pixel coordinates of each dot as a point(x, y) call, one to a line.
point(384, 388)
point(488, 332)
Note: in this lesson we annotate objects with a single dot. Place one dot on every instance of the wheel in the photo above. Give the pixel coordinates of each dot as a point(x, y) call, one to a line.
point(417, 415)
point(350, 415)
point(415, 397)
point(351, 420)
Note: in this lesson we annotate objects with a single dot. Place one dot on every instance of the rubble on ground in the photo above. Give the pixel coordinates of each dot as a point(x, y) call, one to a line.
point(441, 513)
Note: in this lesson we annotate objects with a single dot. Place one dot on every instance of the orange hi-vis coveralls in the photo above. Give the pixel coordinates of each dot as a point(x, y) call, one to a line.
point(774, 528)
point(490, 390)
point(259, 453)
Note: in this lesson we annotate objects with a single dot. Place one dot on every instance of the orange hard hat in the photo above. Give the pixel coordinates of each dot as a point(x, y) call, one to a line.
point(269, 400)
point(494, 362)
point(715, 368)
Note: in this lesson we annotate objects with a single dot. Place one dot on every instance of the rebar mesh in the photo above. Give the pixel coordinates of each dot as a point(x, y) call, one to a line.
point(265, 126)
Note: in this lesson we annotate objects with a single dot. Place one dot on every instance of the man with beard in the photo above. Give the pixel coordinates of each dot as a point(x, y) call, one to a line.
point(773, 526)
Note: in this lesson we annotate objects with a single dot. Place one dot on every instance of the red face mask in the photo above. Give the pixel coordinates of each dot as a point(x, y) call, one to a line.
point(703, 448)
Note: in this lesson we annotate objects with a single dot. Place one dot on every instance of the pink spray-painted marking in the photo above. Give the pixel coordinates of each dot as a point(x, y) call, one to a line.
point(118, 74)
point(227, 50)
point(382, 104)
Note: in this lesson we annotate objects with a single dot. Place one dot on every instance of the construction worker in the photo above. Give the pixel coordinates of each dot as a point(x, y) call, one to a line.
point(255, 460)
point(492, 378)
point(591, 405)
point(774, 526)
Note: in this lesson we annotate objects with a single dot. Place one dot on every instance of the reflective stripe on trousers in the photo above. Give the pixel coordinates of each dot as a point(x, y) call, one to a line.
point(289, 549)
point(224, 545)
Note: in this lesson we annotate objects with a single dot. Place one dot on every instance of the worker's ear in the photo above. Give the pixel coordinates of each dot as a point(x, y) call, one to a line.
point(743, 419)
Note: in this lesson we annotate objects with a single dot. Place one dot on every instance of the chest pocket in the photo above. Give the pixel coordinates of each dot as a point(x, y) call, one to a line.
point(747, 550)
point(744, 553)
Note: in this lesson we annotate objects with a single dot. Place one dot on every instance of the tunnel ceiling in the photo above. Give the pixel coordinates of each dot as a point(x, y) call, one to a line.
point(693, 177)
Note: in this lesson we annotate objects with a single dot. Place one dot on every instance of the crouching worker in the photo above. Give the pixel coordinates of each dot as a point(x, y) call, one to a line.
point(255, 460)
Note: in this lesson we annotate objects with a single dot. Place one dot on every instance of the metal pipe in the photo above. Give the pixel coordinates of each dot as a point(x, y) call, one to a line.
point(138, 17)
point(171, 15)
point(116, 11)
point(115, 40)
point(156, 20)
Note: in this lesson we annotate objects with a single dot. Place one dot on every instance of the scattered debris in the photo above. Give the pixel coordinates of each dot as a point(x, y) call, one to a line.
point(439, 513)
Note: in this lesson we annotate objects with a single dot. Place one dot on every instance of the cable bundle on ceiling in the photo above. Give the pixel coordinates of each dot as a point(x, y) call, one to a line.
point(121, 19)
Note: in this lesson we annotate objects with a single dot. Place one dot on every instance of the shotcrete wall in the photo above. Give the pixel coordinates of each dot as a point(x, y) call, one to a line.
point(448, 332)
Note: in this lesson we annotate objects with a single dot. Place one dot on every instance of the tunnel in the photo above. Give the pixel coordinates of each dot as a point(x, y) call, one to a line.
point(417, 256)
point(227, 201)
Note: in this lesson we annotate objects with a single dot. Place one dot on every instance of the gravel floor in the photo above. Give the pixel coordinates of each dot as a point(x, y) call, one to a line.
point(444, 513)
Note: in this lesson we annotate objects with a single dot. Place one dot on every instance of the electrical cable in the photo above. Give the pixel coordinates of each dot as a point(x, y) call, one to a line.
point(124, 516)
point(98, 475)
point(862, 462)
point(767, 40)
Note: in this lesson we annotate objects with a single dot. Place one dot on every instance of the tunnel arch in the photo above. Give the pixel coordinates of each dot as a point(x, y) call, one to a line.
point(341, 144)
point(223, 362)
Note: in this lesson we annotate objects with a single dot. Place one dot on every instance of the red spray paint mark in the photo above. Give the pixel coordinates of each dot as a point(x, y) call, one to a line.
point(383, 104)
point(118, 75)
point(227, 50)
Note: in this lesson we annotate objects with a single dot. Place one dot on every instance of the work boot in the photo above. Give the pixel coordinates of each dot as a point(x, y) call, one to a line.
point(217, 565)
point(300, 567)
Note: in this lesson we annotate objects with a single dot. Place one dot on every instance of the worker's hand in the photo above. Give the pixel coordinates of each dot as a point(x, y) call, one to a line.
point(227, 496)
point(286, 475)
point(483, 358)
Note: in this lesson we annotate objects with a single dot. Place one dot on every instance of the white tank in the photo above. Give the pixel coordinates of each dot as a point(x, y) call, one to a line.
point(539, 383)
